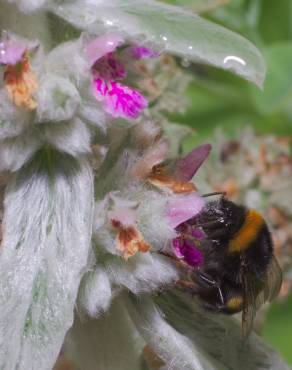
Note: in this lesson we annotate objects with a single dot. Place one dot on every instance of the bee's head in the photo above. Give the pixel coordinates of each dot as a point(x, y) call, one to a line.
point(225, 214)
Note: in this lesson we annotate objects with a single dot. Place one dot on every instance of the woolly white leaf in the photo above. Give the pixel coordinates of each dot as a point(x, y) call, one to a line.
point(47, 231)
point(171, 28)
point(109, 343)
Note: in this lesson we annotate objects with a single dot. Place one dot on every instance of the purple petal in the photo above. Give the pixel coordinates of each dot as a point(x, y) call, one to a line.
point(142, 52)
point(189, 165)
point(119, 100)
point(193, 256)
point(101, 46)
point(11, 52)
point(188, 251)
point(183, 207)
point(125, 102)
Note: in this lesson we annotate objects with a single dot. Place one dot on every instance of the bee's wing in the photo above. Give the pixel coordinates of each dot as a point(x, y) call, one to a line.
point(273, 280)
point(250, 292)
point(257, 292)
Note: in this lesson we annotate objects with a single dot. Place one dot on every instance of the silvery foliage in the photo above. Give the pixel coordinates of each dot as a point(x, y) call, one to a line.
point(55, 230)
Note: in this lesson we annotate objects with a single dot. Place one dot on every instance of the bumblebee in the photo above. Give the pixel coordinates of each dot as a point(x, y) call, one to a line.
point(240, 271)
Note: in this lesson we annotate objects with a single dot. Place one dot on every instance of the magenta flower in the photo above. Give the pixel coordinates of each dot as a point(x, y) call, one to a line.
point(181, 211)
point(11, 52)
point(118, 100)
point(101, 46)
point(142, 52)
point(188, 251)
point(187, 246)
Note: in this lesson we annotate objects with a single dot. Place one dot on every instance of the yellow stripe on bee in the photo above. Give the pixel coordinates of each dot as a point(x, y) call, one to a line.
point(235, 303)
point(247, 233)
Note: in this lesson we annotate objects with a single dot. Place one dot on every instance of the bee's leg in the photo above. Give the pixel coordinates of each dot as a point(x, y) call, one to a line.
point(213, 283)
point(222, 299)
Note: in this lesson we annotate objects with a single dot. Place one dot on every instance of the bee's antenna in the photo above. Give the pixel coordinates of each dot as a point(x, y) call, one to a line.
point(223, 193)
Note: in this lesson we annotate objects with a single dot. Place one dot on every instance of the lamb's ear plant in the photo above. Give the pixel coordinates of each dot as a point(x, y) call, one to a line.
point(86, 210)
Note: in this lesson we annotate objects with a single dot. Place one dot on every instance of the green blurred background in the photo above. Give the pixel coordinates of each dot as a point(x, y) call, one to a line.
point(221, 99)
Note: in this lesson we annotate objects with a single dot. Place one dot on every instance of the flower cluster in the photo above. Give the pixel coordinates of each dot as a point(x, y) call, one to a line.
point(96, 198)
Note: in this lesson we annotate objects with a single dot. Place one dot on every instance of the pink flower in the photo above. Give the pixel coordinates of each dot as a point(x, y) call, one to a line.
point(182, 210)
point(11, 52)
point(102, 46)
point(142, 52)
point(119, 100)
point(183, 207)
point(186, 246)
point(188, 251)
